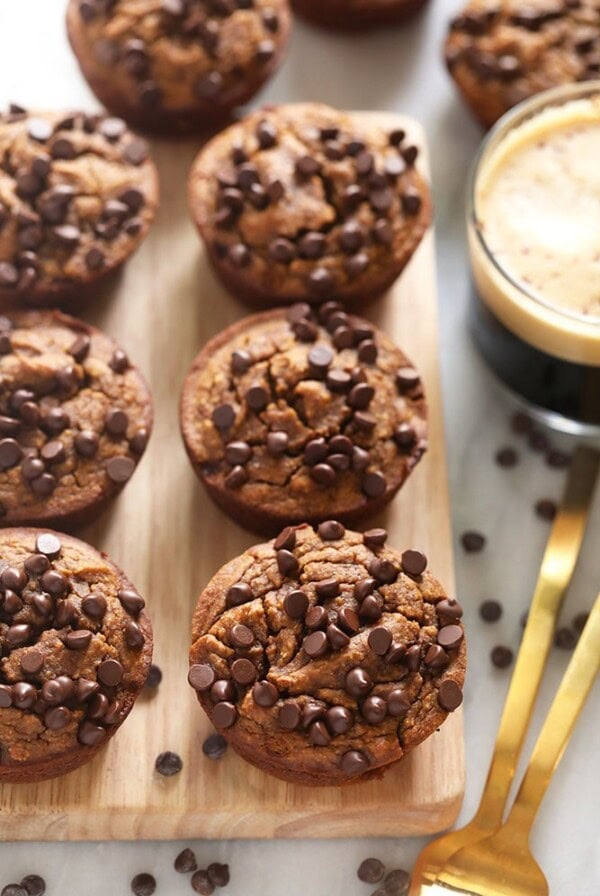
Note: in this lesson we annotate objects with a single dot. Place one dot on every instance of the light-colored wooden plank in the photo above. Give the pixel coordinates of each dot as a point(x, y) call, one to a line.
point(170, 538)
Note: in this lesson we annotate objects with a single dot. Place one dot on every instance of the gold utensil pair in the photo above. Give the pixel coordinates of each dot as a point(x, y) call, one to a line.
point(488, 858)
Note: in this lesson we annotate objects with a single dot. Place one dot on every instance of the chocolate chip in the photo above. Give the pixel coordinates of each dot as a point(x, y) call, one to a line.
point(506, 457)
point(374, 538)
point(320, 357)
point(110, 673)
point(331, 530)
point(472, 542)
point(546, 509)
point(315, 451)
point(374, 710)
point(265, 694)
point(32, 661)
point(383, 571)
point(558, 459)
point(53, 582)
point(289, 716)
point(367, 351)
point(185, 862)
point(397, 703)
point(120, 469)
point(450, 695)
point(119, 361)
point(10, 453)
point(337, 638)
point(397, 882)
point(358, 683)
point(379, 640)
point(257, 398)
point(23, 695)
point(224, 714)
point(201, 676)
point(34, 885)
point(315, 644)
point(316, 617)
point(48, 544)
point(413, 658)
point(282, 250)
point(354, 763)
point(201, 883)
point(91, 735)
point(374, 484)
point(501, 656)
point(116, 422)
point(57, 718)
point(136, 152)
point(5, 696)
point(321, 280)
point(143, 884)
point(371, 871)
point(243, 671)
point(295, 604)
point(414, 563)
point(214, 747)
point(348, 620)
point(327, 588)
point(168, 764)
point(218, 874)
point(450, 636)
point(223, 690)
point(565, 638)
point(236, 477)
point(238, 594)
point(490, 611)
point(154, 677)
point(131, 601)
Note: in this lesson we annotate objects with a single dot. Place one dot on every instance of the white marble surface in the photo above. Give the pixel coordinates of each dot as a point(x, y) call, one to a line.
point(397, 70)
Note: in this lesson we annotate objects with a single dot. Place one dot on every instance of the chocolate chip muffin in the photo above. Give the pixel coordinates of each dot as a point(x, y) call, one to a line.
point(76, 649)
point(356, 15)
point(75, 417)
point(77, 195)
point(306, 203)
point(177, 65)
point(500, 53)
point(292, 416)
point(324, 656)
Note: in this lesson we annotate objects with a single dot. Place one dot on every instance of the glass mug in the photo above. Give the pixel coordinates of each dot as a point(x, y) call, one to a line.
point(546, 353)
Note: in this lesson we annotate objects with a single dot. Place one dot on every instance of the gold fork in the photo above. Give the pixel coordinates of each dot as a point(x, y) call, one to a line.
point(502, 864)
point(556, 572)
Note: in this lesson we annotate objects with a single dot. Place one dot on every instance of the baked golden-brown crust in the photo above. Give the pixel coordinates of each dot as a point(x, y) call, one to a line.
point(75, 417)
point(78, 193)
point(76, 649)
point(177, 65)
point(318, 656)
point(500, 52)
point(303, 202)
point(289, 416)
point(356, 15)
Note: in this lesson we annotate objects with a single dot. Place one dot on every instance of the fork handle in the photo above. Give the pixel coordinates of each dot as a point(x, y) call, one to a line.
point(555, 575)
point(556, 731)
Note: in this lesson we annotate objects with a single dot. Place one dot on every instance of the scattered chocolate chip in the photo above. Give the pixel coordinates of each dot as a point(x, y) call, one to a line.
point(218, 874)
point(34, 885)
point(450, 695)
point(154, 677)
point(397, 883)
point(472, 542)
point(490, 611)
point(185, 862)
point(168, 764)
point(215, 746)
point(565, 638)
point(501, 656)
point(546, 509)
point(506, 457)
point(143, 885)
point(201, 883)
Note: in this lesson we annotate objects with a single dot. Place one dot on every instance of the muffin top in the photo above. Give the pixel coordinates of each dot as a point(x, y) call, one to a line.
point(76, 646)
point(75, 416)
point(309, 201)
point(77, 194)
point(304, 414)
point(323, 655)
point(175, 55)
point(503, 52)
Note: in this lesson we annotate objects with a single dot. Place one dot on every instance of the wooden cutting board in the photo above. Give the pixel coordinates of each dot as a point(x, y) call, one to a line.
point(170, 539)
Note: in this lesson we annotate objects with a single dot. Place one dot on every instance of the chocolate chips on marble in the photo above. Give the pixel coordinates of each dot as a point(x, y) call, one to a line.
point(353, 245)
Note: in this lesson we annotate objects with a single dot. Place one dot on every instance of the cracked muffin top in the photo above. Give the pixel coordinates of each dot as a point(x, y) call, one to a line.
point(500, 53)
point(78, 193)
point(293, 415)
point(304, 202)
point(75, 417)
point(76, 646)
point(323, 656)
point(177, 64)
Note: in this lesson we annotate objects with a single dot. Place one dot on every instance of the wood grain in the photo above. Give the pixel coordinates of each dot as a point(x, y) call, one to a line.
point(170, 539)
